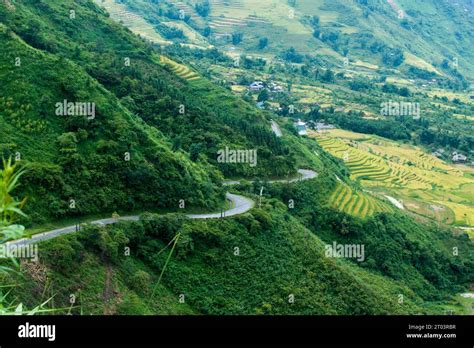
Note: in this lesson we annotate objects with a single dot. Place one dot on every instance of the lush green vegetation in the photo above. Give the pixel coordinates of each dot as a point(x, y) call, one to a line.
point(352, 100)
point(158, 123)
point(420, 255)
point(10, 211)
point(226, 266)
point(333, 29)
point(84, 159)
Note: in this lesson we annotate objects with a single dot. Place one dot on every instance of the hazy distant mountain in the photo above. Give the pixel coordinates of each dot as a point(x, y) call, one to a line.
point(433, 35)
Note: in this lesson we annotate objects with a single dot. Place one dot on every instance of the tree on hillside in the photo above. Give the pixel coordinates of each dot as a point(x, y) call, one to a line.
point(203, 9)
point(404, 92)
point(177, 143)
point(315, 21)
point(207, 31)
point(237, 38)
point(393, 57)
point(262, 43)
point(328, 76)
point(445, 64)
point(194, 151)
point(263, 96)
point(292, 56)
point(68, 146)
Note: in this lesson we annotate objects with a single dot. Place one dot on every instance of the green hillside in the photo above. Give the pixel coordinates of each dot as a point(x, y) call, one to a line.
point(253, 264)
point(58, 62)
point(389, 34)
point(150, 142)
point(80, 158)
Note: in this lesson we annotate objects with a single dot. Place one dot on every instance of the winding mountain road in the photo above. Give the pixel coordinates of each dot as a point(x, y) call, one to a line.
point(304, 174)
point(240, 205)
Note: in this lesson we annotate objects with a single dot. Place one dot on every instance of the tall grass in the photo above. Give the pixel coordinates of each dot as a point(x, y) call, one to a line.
point(10, 210)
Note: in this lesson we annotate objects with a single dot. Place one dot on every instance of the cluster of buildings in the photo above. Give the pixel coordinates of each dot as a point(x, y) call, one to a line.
point(456, 157)
point(439, 153)
point(301, 127)
point(257, 86)
point(321, 126)
point(424, 83)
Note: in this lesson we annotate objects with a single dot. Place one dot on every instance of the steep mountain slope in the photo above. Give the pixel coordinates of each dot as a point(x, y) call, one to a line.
point(272, 260)
point(81, 56)
point(276, 260)
point(79, 164)
point(388, 33)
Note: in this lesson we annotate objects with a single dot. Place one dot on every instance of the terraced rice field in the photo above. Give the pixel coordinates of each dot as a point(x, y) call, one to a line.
point(120, 13)
point(182, 71)
point(308, 95)
point(229, 15)
point(192, 36)
point(464, 214)
point(366, 65)
point(188, 11)
point(430, 186)
point(471, 234)
point(462, 96)
point(391, 166)
point(417, 62)
point(355, 203)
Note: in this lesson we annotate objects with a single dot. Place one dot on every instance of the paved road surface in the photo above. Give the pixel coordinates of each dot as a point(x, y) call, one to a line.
point(276, 129)
point(304, 174)
point(240, 205)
